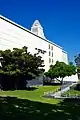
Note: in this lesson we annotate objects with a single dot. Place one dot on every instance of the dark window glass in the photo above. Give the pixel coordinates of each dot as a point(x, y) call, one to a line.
point(49, 46)
point(49, 53)
point(49, 60)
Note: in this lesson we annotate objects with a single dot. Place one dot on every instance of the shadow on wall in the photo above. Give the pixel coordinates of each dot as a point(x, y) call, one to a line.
point(12, 108)
point(34, 82)
point(16, 83)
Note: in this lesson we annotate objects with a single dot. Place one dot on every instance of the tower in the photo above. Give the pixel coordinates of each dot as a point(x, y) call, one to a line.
point(37, 29)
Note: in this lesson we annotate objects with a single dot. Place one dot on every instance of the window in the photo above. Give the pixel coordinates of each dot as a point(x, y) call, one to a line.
point(34, 30)
point(35, 48)
point(49, 53)
point(49, 60)
point(49, 46)
point(52, 60)
point(52, 54)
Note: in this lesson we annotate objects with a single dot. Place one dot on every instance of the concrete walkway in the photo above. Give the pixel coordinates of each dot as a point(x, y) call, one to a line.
point(58, 94)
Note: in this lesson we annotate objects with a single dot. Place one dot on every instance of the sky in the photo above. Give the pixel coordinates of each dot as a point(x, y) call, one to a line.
point(59, 18)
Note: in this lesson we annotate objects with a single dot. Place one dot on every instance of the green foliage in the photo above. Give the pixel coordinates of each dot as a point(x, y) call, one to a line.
point(19, 63)
point(61, 70)
point(73, 93)
point(77, 60)
point(78, 69)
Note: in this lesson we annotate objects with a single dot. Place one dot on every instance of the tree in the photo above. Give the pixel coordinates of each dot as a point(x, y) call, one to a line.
point(18, 66)
point(61, 70)
point(78, 69)
point(77, 60)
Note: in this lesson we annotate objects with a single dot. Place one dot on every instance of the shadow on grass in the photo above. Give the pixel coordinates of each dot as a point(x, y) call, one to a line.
point(26, 88)
point(12, 108)
point(31, 88)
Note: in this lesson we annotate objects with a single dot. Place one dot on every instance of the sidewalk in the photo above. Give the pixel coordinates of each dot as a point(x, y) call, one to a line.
point(58, 94)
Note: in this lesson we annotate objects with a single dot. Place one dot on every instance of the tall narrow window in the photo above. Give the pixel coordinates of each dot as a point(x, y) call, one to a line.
point(49, 46)
point(49, 60)
point(52, 54)
point(52, 61)
point(49, 53)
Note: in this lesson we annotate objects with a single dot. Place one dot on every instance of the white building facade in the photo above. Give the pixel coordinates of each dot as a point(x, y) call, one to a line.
point(13, 35)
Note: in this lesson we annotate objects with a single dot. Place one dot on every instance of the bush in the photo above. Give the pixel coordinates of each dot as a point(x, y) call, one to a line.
point(73, 87)
point(78, 86)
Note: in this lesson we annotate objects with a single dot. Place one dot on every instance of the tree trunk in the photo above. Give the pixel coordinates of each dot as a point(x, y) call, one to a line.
point(62, 81)
point(50, 80)
point(58, 80)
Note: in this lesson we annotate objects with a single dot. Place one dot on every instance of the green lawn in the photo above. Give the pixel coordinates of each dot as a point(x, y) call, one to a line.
point(72, 93)
point(34, 95)
point(30, 105)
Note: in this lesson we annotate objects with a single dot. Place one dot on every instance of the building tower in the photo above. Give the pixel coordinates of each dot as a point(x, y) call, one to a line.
point(37, 29)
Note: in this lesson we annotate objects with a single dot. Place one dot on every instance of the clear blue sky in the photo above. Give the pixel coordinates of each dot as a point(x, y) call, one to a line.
point(60, 19)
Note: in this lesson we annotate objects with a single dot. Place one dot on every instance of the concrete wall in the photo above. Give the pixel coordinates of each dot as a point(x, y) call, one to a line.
point(64, 57)
point(73, 78)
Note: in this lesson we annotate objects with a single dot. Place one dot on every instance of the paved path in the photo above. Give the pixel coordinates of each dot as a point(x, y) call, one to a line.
point(58, 94)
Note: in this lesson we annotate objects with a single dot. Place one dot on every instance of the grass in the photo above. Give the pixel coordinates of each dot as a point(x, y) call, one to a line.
point(30, 105)
point(33, 95)
point(72, 93)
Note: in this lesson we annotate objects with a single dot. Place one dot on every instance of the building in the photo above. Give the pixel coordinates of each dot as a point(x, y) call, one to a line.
point(13, 35)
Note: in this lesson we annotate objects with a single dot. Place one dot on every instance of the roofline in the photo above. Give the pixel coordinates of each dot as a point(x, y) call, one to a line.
point(64, 51)
point(23, 28)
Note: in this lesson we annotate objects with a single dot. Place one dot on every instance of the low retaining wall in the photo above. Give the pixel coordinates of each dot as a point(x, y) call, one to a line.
point(59, 97)
point(68, 97)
